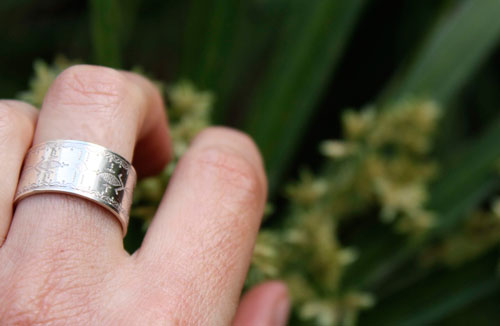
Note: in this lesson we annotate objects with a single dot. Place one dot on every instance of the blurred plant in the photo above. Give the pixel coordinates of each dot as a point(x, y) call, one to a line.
point(382, 161)
point(385, 160)
point(474, 237)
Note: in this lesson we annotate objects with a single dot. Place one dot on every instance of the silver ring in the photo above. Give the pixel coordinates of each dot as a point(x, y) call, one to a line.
point(83, 169)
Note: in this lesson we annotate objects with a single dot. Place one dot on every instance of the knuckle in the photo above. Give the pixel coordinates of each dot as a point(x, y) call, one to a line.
point(238, 137)
point(231, 185)
point(231, 173)
point(89, 87)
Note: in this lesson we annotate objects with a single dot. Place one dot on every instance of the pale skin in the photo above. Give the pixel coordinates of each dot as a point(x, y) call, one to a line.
point(62, 260)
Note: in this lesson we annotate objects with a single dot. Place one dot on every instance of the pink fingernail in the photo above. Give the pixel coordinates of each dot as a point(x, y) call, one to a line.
point(281, 311)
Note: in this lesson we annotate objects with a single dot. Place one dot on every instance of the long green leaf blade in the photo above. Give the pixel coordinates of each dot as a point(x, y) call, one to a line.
point(106, 23)
point(437, 296)
point(313, 41)
point(455, 48)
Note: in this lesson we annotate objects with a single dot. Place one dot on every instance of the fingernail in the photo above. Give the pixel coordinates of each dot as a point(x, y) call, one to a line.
point(281, 311)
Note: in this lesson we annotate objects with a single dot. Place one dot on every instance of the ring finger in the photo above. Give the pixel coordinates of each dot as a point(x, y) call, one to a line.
point(102, 106)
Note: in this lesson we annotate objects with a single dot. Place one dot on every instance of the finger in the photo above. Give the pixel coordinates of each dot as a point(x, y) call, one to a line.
point(153, 149)
point(102, 106)
point(17, 123)
point(267, 304)
point(202, 237)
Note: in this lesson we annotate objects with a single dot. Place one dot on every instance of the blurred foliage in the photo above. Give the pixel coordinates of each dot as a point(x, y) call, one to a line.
point(398, 221)
point(383, 162)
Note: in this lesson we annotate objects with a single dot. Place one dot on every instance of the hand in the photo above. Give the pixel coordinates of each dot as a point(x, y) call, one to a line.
point(62, 258)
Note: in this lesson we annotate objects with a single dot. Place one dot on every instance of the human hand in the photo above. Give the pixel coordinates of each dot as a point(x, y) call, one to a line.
point(62, 257)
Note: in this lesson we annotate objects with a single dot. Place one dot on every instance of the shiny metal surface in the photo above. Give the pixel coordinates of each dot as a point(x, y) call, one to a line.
point(83, 169)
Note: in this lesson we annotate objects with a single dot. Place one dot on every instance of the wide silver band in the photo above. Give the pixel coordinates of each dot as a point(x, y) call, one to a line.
point(83, 169)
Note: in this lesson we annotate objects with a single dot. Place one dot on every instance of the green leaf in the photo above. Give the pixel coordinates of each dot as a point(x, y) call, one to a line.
point(211, 29)
point(481, 313)
point(210, 47)
point(453, 51)
point(106, 23)
point(198, 17)
point(437, 296)
point(224, 44)
point(312, 41)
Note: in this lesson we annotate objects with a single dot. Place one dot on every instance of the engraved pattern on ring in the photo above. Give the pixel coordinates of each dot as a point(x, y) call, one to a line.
point(80, 168)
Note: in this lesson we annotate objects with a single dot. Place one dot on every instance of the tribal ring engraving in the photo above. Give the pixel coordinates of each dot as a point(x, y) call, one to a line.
point(82, 169)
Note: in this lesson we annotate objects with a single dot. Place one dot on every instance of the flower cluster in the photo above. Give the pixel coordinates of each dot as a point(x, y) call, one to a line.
point(382, 162)
point(385, 161)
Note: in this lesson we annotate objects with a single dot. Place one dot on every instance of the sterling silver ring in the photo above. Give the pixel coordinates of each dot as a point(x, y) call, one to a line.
point(82, 169)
